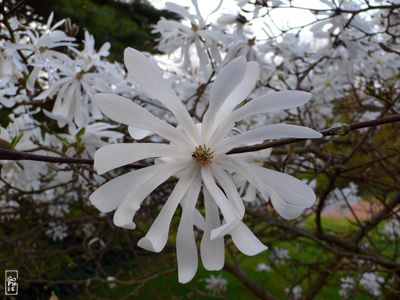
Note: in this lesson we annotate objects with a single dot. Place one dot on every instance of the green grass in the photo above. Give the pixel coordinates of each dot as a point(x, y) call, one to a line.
point(280, 277)
point(274, 281)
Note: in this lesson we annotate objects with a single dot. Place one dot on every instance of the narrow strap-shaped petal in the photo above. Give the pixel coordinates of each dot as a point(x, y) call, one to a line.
point(224, 229)
point(116, 155)
point(290, 190)
point(241, 235)
point(124, 214)
point(138, 133)
point(288, 195)
point(240, 93)
point(233, 164)
point(270, 102)
point(225, 83)
point(245, 240)
point(179, 10)
point(186, 248)
point(150, 79)
point(198, 220)
point(268, 132)
point(212, 251)
point(229, 188)
point(228, 210)
point(52, 89)
point(157, 236)
point(129, 113)
point(111, 194)
point(30, 84)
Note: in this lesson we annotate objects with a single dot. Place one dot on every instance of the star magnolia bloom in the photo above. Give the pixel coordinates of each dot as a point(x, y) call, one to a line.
point(197, 156)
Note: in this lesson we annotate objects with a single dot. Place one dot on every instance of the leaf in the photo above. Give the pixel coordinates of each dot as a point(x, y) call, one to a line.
point(16, 140)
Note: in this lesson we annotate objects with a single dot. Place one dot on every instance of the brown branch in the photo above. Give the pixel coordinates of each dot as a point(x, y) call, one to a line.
point(340, 130)
point(256, 289)
point(7, 154)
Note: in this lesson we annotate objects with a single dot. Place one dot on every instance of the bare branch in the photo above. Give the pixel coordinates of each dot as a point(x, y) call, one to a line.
point(7, 154)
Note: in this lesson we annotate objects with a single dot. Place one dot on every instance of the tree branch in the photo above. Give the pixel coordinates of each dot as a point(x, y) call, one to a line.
point(257, 290)
point(339, 130)
point(10, 154)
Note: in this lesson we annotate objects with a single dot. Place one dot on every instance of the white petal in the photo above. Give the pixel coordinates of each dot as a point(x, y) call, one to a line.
point(268, 132)
point(229, 188)
point(52, 89)
point(241, 92)
point(150, 79)
point(223, 230)
point(129, 113)
point(246, 241)
point(30, 84)
point(116, 155)
point(157, 236)
point(289, 196)
point(138, 133)
point(179, 10)
point(270, 102)
point(234, 164)
point(251, 193)
point(212, 251)
point(285, 209)
point(198, 220)
point(225, 83)
point(228, 210)
point(186, 248)
point(110, 195)
point(293, 195)
point(124, 214)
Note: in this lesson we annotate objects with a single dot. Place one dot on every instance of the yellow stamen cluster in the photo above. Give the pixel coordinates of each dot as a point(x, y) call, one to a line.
point(203, 155)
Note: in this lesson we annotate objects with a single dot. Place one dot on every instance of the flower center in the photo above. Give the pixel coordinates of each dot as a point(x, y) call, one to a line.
point(203, 155)
point(195, 28)
point(251, 42)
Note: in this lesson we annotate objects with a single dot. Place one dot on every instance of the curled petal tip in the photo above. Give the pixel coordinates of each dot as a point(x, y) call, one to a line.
point(146, 244)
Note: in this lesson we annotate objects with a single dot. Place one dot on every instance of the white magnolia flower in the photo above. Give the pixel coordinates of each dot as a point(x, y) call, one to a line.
point(346, 286)
point(175, 35)
point(111, 281)
point(41, 48)
point(263, 267)
point(392, 229)
point(241, 46)
point(57, 232)
point(197, 155)
point(279, 254)
point(74, 91)
point(89, 57)
point(372, 283)
point(216, 284)
point(294, 293)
